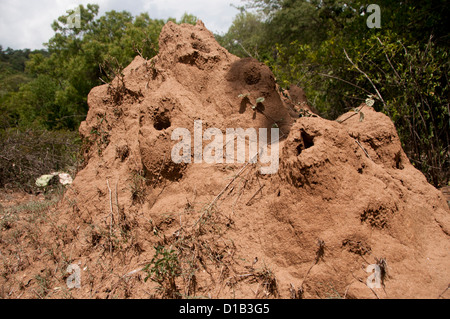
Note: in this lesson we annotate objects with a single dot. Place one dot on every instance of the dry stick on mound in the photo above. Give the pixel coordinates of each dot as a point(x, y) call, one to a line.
point(384, 271)
point(160, 170)
point(223, 191)
point(367, 154)
point(111, 217)
point(241, 189)
point(274, 122)
point(252, 160)
point(319, 255)
point(361, 281)
point(254, 195)
point(448, 287)
point(117, 199)
point(356, 112)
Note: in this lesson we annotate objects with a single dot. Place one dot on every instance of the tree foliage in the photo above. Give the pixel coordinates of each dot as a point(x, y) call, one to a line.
point(325, 47)
point(245, 37)
point(59, 80)
point(12, 77)
point(43, 93)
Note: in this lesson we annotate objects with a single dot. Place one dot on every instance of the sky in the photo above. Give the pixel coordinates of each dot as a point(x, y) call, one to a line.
point(27, 23)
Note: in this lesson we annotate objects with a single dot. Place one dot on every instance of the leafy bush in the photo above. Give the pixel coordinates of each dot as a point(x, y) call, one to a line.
point(326, 48)
point(164, 268)
point(409, 81)
point(412, 81)
point(28, 154)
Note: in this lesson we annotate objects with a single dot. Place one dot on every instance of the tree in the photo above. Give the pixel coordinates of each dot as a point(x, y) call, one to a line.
point(325, 47)
point(245, 37)
point(56, 97)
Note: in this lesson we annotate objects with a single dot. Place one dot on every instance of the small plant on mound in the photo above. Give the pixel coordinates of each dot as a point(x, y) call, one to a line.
point(137, 187)
point(163, 269)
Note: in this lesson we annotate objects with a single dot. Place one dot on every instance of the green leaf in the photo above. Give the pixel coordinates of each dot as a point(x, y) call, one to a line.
point(260, 100)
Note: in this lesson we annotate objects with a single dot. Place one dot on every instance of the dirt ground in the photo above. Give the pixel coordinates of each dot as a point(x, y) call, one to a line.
point(138, 225)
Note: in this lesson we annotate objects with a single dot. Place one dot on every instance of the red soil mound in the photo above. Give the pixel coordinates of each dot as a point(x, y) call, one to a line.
point(345, 195)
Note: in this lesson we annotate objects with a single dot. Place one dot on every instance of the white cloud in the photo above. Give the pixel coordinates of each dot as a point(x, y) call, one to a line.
point(27, 23)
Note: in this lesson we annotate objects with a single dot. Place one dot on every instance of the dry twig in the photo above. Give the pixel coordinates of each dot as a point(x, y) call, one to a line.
point(111, 216)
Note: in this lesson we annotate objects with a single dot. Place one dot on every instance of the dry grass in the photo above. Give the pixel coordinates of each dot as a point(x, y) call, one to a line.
point(26, 155)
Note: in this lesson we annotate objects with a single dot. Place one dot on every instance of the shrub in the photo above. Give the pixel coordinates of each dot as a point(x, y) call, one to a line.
point(28, 154)
point(163, 269)
point(409, 81)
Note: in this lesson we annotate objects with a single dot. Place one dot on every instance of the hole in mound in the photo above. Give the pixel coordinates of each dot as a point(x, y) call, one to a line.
point(307, 141)
point(161, 121)
point(361, 169)
point(122, 152)
point(189, 58)
point(173, 172)
point(95, 238)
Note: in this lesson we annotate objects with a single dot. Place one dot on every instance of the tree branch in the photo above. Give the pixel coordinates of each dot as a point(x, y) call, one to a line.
point(367, 77)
